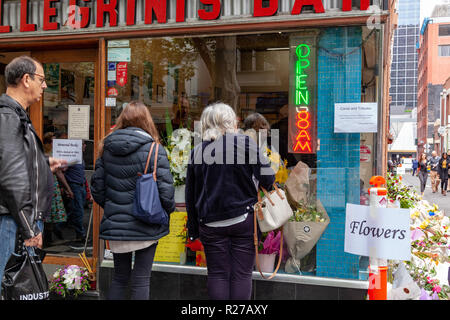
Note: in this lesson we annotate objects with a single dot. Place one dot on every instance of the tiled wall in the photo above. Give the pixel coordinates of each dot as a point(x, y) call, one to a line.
point(339, 81)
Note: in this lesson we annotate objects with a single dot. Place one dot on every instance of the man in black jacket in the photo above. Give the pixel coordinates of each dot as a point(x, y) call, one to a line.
point(24, 171)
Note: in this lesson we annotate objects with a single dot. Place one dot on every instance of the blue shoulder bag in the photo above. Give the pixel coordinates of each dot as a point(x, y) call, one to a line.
point(147, 205)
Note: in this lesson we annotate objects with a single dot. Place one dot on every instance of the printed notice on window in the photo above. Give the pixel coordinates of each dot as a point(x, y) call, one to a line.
point(79, 122)
point(382, 233)
point(70, 150)
point(355, 117)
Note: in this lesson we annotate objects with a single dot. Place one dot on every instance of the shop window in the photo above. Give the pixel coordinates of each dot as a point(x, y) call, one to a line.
point(178, 77)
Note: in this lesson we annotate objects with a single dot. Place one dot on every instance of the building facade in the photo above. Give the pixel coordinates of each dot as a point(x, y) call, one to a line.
point(179, 56)
point(433, 68)
point(403, 89)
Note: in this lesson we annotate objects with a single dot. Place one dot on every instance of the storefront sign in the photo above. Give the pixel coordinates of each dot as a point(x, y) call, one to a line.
point(119, 54)
point(365, 153)
point(112, 92)
point(377, 232)
point(122, 73)
point(302, 133)
point(78, 127)
point(69, 150)
point(79, 13)
point(355, 117)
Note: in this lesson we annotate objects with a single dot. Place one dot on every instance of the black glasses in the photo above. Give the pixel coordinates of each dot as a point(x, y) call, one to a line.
point(41, 77)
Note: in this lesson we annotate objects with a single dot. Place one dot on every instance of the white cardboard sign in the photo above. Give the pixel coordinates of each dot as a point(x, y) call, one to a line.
point(378, 232)
point(355, 117)
point(70, 150)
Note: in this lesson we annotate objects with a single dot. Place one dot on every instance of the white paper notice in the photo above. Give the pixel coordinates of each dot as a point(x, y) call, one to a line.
point(355, 117)
point(378, 232)
point(79, 122)
point(70, 150)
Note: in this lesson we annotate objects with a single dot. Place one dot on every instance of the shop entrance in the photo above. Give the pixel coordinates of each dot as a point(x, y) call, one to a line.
point(67, 112)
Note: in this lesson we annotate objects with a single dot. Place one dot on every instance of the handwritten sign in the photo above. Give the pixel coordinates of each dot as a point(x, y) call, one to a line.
point(70, 150)
point(377, 232)
point(172, 246)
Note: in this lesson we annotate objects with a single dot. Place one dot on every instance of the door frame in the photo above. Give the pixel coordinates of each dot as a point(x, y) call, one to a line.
point(96, 55)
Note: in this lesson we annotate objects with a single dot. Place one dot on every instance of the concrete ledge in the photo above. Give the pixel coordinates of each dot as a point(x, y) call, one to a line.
point(280, 277)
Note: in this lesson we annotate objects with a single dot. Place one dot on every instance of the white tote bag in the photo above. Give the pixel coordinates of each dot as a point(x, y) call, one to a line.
point(273, 211)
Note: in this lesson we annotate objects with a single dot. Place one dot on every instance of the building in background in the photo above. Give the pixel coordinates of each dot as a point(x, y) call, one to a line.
point(403, 89)
point(433, 71)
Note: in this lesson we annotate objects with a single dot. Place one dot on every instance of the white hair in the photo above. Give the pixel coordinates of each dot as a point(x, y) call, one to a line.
point(217, 119)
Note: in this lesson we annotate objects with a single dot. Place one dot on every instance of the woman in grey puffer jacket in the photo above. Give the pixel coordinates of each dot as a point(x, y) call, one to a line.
point(122, 157)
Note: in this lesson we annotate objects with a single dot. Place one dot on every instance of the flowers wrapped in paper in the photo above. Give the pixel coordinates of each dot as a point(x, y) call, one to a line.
point(303, 232)
point(310, 218)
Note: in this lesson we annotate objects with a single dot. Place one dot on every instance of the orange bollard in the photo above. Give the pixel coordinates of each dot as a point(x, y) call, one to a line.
point(378, 284)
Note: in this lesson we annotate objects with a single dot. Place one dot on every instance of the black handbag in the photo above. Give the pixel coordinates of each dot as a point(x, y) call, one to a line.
point(24, 277)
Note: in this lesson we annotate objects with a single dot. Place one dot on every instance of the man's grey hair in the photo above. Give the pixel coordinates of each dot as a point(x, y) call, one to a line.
point(17, 68)
point(216, 120)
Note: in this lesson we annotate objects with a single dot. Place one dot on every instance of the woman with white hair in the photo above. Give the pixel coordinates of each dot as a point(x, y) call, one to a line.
point(220, 194)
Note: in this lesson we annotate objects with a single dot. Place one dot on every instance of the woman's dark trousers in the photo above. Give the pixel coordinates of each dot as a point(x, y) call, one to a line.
point(139, 275)
point(230, 257)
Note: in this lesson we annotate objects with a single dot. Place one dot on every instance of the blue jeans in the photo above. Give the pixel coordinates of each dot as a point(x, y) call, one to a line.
point(75, 210)
point(8, 229)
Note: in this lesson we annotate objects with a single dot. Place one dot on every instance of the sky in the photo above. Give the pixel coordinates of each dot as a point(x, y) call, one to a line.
point(427, 6)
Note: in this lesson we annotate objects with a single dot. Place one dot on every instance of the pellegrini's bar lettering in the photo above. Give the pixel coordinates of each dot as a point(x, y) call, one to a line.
point(157, 8)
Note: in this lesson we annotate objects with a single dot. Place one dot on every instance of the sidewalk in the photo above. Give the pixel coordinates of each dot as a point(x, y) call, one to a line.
point(442, 201)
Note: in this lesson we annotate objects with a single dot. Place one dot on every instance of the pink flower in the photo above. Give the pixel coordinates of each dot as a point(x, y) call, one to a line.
point(436, 289)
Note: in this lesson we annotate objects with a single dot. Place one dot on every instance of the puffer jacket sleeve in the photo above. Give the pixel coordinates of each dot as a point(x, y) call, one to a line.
point(98, 183)
point(15, 185)
point(164, 180)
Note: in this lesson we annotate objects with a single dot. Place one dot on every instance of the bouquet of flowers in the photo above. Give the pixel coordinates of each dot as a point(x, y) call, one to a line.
point(269, 242)
point(278, 166)
point(307, 212)
point(398, 191)
point(178, 152)
point(71, 280)
point(430, 250)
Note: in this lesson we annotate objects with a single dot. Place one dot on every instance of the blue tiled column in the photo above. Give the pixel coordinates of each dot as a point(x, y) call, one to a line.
point(339, 81)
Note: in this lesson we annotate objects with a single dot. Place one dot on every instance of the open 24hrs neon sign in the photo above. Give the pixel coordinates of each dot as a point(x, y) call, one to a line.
point(302, 143)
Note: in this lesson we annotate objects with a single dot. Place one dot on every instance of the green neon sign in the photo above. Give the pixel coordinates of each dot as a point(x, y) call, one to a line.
point(302, 96)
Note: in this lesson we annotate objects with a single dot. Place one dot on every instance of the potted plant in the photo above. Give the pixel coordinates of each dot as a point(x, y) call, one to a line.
point(268, 249)
point(69, 282)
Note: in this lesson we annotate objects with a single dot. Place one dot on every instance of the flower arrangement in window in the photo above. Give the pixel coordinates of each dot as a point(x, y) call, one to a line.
point(178, 151)
point(71, 281)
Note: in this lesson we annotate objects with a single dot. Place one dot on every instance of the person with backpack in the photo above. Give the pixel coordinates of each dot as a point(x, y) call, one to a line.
point(123, 157)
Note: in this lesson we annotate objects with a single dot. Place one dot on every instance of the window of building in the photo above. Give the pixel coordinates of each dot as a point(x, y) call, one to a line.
point(444, 30)
point(444, 51)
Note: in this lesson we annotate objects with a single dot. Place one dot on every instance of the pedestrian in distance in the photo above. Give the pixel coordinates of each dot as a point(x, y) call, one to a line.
point(220, 194)
point(423, 172)
point(444, 167)
point(122, 157)
point(25, 172)
point(434, 173)
point(415, 165)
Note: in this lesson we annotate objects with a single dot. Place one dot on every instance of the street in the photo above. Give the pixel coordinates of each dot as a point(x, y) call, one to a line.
point(442, 201)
